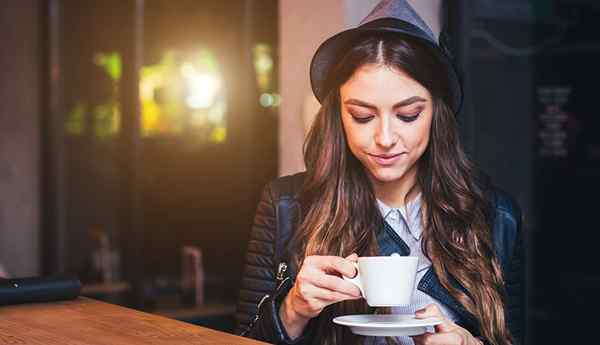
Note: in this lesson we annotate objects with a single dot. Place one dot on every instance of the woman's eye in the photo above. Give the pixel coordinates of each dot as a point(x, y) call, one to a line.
point(362, 119)
point(408, 118)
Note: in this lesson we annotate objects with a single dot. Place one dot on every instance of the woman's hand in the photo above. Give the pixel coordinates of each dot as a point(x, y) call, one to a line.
point(318, 284)
point(446, 333)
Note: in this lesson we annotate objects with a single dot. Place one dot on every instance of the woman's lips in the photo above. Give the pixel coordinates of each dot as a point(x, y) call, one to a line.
point(387, 159)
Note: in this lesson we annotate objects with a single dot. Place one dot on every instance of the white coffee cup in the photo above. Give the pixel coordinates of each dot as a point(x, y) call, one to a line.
point(386, 281)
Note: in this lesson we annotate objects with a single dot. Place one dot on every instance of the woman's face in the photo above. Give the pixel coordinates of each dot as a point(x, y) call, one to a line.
point(387, 118)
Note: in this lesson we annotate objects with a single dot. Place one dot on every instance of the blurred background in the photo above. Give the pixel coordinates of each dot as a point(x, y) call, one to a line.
point(137, 135)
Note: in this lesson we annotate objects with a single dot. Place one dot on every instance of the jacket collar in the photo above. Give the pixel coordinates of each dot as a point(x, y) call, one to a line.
point(389, 242)
point(411, 215)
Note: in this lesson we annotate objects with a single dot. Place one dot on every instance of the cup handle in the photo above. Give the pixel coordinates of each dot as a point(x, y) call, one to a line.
point(356, 280)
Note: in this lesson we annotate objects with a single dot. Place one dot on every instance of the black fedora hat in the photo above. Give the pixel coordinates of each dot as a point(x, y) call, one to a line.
point(396, 16)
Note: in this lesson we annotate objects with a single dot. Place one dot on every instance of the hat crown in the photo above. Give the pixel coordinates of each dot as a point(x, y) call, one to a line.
point(390, 17)
point(400, 10)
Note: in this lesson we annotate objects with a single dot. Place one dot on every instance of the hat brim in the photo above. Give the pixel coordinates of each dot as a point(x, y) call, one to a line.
point(328, 52)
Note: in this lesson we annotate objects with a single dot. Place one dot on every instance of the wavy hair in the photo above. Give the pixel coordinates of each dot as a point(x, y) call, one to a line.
point(339, 210)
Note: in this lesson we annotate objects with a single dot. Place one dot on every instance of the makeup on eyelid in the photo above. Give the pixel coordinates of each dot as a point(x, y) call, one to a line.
point(367, 118)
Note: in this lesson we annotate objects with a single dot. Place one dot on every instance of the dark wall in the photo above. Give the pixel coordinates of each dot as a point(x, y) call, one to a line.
point(496, 121)
point(19, 136)
point(530, 122)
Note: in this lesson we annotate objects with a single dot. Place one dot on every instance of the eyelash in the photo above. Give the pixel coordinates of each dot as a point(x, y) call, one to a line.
point(404, 118)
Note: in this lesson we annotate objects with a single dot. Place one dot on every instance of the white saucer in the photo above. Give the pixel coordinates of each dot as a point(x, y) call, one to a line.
point(386, 325)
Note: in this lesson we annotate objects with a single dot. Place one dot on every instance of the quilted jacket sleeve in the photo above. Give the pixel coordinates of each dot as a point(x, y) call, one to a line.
point(257, 313)
point(258, 279)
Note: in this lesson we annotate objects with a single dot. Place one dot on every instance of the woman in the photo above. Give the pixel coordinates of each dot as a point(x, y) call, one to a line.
point(385, 173)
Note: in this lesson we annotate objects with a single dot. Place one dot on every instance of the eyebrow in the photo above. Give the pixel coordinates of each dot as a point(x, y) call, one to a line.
point(402, 103)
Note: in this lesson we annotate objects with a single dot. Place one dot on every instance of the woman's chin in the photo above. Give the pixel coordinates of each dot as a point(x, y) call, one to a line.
point(386, 176)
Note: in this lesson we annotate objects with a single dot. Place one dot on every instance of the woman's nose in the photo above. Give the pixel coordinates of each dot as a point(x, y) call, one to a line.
point(385, 136)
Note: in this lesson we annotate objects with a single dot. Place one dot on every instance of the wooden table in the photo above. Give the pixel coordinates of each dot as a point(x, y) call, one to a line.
point(86, 321)
point(203, 311)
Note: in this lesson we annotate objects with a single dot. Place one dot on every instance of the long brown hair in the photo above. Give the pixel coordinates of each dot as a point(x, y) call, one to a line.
point(339, 211)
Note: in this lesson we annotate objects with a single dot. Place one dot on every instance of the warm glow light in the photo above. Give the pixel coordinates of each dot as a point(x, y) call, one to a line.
point(263, 65)
point(267, 100)
point(270, 100)
point(184, 94)
point(217, 112)
point(202, 89)
point(188, 70)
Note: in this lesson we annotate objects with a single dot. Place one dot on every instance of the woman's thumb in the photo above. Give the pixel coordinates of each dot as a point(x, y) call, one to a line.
point(433, 310)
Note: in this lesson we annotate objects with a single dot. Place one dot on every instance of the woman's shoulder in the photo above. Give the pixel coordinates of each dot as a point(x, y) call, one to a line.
point(506, 227)
point(286, 186)
point(504, 206)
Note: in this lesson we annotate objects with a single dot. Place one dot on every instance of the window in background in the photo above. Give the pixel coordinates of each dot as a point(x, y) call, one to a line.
point(184, 94)
point(162, 131)
point(105, 112)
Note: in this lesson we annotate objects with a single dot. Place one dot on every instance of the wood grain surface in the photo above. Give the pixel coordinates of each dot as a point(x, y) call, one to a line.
point(209, 310)
point(86, 321)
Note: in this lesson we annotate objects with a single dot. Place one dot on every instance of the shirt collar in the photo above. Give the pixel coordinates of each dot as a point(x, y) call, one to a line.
point(411, 215)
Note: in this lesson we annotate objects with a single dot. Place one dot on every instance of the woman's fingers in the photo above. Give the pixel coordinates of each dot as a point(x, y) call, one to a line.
point(447, 333)
point(318, 284)
point(334, 283)
point(438, 339)
point(330, 296)
point(332, 264)
point(313, 299)
point(314, 275)
point(433, 310)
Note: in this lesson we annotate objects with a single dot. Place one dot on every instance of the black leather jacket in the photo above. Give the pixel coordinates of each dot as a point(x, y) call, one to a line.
point(268, 274)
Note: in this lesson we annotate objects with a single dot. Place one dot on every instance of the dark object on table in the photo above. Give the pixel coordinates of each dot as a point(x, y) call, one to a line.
point(38, 289)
